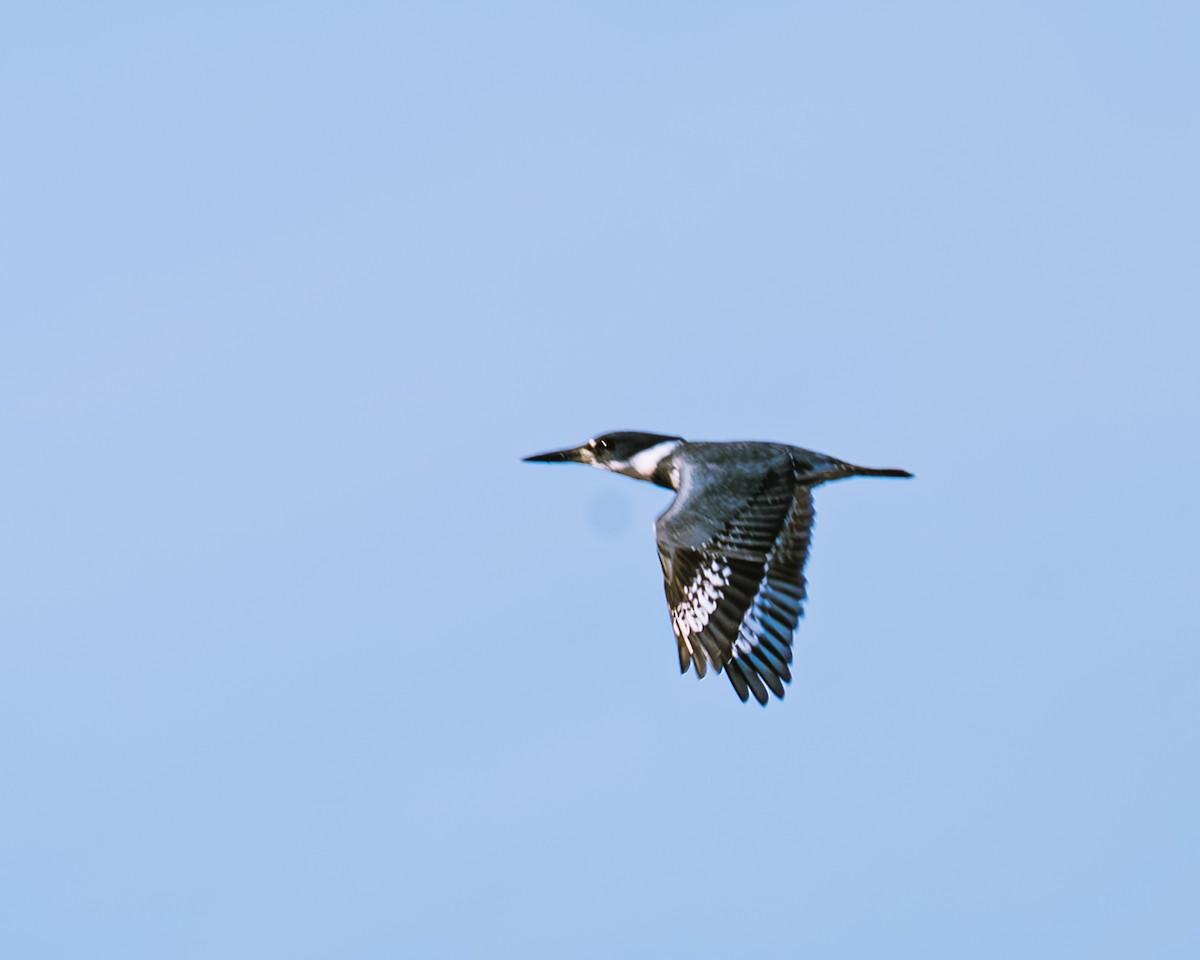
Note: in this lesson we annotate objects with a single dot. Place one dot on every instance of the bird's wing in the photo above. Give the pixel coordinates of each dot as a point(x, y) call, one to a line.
point(736, 592)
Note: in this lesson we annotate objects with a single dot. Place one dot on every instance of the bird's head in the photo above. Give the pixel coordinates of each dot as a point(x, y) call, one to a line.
point(628, 452)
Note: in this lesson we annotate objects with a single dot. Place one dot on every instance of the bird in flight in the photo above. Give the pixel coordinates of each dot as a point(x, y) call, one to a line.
point(732, 544)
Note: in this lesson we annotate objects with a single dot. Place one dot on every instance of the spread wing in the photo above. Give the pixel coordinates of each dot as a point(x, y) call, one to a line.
point(736, 586)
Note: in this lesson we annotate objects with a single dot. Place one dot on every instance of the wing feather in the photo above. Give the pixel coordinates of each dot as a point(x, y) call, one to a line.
point(733, 572)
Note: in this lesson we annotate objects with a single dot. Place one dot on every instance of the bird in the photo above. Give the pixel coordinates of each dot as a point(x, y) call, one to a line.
point(732, 544)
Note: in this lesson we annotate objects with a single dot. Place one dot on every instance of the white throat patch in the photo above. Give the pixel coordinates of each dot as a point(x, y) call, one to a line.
point(642, 465)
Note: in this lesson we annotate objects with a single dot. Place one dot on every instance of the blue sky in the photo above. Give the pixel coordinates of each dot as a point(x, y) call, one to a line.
point(297, 658)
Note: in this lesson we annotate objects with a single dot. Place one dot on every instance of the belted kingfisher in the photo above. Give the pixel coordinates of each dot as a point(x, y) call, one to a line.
point(732, 544)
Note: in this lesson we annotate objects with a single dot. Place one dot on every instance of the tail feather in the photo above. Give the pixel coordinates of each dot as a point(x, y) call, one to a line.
point(878, 472)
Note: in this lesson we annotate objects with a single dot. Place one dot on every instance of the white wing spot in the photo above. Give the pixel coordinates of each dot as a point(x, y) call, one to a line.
point(700, 599)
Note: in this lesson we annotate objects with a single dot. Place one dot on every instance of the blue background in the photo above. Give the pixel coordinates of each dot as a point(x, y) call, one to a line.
point(298, 660)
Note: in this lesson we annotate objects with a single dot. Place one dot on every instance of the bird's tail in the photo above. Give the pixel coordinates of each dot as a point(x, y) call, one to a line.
point(876, 471)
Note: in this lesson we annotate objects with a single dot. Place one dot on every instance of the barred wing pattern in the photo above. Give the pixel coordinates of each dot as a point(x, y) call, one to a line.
point(737, 597)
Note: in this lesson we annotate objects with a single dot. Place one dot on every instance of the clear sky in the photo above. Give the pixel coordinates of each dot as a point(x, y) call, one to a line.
point(298, 660)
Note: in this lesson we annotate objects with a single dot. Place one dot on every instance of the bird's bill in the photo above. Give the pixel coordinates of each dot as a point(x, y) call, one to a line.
point(574, 455)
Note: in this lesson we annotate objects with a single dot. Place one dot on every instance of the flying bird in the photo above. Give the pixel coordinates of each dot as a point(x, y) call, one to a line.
point(732, 544)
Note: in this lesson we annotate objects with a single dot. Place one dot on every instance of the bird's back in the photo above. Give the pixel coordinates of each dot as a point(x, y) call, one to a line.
point(719, 480)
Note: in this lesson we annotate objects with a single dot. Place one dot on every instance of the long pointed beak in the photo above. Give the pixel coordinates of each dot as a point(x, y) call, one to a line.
point(574, 455)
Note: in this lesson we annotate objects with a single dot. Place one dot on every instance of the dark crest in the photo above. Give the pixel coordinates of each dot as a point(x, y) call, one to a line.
point(624, 444)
